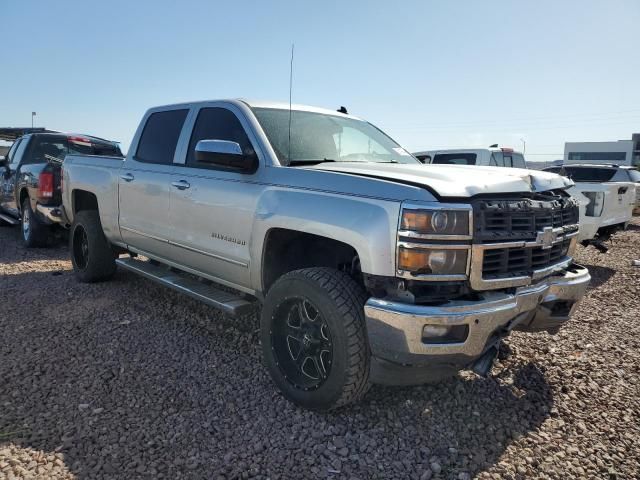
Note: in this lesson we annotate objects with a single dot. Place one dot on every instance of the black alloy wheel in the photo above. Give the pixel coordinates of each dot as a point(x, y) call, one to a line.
point(301, 342)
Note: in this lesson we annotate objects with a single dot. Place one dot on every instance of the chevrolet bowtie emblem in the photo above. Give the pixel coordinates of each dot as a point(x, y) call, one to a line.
point(546, 238)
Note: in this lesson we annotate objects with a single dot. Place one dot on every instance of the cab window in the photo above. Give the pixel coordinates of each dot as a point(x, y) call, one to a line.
point(455, 159)
point(517, 161)
point(160, 137)
point(217, 123)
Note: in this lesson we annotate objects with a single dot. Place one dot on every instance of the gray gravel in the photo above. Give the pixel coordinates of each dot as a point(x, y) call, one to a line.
point(128, 380)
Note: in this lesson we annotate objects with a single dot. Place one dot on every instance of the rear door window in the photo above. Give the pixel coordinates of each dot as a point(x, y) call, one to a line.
point(160, 137)
point(455, 158)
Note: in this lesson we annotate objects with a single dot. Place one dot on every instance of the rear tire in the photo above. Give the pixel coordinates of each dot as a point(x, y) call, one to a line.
point(33, 232)
point(314, 339)
point(91, 254)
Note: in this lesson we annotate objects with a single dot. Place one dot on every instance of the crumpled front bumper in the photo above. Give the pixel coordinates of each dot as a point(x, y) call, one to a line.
point(396, 329)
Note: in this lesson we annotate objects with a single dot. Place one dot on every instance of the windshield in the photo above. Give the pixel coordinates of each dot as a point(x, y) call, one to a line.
point(318, 137)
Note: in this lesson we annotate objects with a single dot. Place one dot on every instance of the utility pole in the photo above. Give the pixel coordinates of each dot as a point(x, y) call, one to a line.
point(33, 114)
point(524, 145)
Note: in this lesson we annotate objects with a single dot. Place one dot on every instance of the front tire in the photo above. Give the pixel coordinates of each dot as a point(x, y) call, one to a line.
point(33, 232)
point(91, 254)
point(314, 339)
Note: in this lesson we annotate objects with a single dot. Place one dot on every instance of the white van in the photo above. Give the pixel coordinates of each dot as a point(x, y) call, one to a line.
point(484, 157)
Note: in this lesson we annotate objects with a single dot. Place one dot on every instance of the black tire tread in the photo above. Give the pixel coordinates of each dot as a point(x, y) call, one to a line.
point(349, 299)
point(101, 265)
point(39, 232)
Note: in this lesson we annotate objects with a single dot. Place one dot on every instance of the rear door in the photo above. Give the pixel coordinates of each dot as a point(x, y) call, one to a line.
point(144, 184)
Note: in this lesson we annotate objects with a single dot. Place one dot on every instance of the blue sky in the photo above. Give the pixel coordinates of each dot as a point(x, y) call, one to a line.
point(433, 74)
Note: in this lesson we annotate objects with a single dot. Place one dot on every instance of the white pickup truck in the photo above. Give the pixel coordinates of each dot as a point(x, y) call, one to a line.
point(481, 157)
point(369, 266)
point(608, 196)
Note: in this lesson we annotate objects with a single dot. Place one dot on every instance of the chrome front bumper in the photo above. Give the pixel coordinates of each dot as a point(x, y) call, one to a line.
point(396, 329)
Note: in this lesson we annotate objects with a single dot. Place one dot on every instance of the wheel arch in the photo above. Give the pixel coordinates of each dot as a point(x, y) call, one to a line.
point(286, 250)
point(83, 200)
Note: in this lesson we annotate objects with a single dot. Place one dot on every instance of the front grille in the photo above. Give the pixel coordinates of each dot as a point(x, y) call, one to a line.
point(517, 262)
point(521, 219)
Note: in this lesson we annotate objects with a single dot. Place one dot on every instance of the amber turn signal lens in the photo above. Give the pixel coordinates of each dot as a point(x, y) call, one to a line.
point(412, 260)
point(433, 261)
point(416, 221)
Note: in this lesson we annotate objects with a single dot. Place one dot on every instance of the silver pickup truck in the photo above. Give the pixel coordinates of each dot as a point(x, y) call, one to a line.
point(369, 266)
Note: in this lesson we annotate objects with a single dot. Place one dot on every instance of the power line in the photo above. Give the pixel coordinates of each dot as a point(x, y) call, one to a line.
point(599, 116)
point(479, 127)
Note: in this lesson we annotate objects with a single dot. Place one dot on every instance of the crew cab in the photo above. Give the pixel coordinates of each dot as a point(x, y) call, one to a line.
point(369, 267)
point(30, 186)
point(608, 194)
point(487, 157)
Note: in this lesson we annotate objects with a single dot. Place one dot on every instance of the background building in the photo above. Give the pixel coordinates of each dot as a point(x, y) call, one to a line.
point(620, 152)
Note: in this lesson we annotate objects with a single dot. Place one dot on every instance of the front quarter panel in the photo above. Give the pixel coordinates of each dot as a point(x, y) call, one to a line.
point(367, 224)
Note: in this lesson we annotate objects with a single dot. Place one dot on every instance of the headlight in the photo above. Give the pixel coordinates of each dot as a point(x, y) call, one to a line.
point(432, 261)
point(435, 222)
point(596, 203)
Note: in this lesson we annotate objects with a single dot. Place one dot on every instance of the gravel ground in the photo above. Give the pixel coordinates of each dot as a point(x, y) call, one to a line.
point(128, 380)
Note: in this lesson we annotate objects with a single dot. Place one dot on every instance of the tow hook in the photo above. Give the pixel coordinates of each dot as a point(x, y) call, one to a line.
point(482, 366)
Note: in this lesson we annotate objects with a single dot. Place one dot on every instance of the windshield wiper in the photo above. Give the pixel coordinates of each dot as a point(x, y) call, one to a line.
point(311, 161)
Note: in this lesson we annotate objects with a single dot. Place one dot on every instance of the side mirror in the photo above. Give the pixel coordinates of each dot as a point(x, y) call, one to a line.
point(225, 154)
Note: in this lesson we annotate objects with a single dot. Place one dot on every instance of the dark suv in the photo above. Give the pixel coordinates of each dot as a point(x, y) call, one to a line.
point(31, 184)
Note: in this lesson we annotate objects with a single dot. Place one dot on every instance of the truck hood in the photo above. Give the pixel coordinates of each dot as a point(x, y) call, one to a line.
point(455, 180)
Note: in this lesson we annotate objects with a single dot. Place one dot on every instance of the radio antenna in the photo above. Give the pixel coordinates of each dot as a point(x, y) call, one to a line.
point(290, 91)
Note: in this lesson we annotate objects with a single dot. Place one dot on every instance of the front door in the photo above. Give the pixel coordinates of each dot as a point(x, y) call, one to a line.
point(212, 209)
point(144, 185)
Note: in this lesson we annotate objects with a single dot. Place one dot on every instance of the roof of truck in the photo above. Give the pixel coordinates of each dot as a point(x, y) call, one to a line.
point(263, 104)
point(468, 150)
point(597, 165)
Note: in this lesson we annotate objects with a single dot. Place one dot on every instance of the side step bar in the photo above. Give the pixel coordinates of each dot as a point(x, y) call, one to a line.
point(8, 219)
point(230, 303)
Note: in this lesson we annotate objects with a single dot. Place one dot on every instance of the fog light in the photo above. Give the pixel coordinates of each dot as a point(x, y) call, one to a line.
point(436, 334)
point(435, 330)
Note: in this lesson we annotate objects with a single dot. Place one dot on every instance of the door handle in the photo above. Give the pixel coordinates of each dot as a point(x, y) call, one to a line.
point(181, 184)
point(127, 177)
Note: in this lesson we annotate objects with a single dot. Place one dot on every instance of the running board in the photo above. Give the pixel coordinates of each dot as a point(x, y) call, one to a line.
point(9, 219)
point(230, 303)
